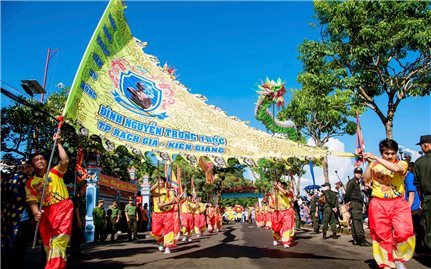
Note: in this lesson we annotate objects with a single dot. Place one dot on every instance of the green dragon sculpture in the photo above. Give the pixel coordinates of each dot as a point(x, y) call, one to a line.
point(271, 92)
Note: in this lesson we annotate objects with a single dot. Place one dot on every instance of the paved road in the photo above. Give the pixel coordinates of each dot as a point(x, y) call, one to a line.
point(237, 246)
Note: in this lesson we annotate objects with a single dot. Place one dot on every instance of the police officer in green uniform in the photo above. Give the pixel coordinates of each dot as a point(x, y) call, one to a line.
point(297, 211)
point(78, 223)
point(114, 213)
point(131, 212)
point(330, 210)
point(355, 197)
point(314, 212)
point(422, 172)
point(99, 217)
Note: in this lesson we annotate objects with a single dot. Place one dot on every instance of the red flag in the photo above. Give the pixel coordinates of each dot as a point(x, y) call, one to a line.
point(79, 157)
point(80, 171)
point(359, 143)
point(180, 187)
point(207, 167)
point(193, 189)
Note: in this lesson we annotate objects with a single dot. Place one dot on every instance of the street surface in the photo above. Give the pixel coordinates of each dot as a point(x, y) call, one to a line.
point(239, 245)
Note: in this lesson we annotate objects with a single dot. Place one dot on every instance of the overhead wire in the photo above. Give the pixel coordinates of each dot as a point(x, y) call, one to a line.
point(24, 93)
point(24, 102)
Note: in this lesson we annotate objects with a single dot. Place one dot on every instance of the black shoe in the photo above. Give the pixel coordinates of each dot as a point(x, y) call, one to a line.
point(365, 243)
point(354, 242)
point(335, 236)
point(324, 236)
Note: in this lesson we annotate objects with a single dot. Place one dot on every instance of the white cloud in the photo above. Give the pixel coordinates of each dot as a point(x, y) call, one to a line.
point(343, 166)
point(415, 154)
point(249, 175)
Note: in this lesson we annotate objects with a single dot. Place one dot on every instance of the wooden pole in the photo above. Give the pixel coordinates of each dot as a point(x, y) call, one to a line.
point(158, 186)
point(45, 181)
point(275, 190)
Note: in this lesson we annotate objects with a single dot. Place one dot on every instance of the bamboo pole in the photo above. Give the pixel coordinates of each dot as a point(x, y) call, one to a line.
point(45, 181)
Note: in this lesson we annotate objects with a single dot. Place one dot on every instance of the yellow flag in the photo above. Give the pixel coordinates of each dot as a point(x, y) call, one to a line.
point(124, 96)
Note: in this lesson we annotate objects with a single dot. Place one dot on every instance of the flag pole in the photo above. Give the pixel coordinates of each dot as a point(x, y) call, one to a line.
point(275, 189)
point(359, 142)
point(60, 120)
point(178, 200)
point(312, 172)
point(74, 185)
point(158, 185)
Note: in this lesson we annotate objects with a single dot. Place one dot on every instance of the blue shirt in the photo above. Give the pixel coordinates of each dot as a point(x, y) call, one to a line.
point(410, 187)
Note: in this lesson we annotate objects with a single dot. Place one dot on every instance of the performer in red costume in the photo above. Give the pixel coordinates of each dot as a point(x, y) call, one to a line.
point(210, 212)
point(199, 217)
point(283, 215)
point(57, 209)
point(391, 226)
point(187, 222)
point(162, 228)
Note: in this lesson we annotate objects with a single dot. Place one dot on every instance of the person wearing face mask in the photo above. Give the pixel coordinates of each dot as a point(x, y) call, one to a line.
point(330, 210)
point(391, 226)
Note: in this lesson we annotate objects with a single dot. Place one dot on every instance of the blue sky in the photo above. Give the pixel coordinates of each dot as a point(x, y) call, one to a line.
point(220, 49)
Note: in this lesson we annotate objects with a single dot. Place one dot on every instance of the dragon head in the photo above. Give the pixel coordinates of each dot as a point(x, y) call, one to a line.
point(273, 90)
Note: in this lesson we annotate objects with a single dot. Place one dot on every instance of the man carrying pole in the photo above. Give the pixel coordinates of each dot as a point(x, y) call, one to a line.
point(187, 223)
point(56, 212)
point(163, 219)
point(283, 219)
point(199, 218)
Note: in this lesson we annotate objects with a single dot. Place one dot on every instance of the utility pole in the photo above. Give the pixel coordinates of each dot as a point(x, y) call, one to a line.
point(45, 75)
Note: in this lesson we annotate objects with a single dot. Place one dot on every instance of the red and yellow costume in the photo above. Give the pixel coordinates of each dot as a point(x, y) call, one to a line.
point(218, 219)
point(177, 228)
point(56, 222)
point(199, 218)
point(162, 228)
point(283, 223)
point(259, 217)
point(211, 221)
point(187, 208)
point(391, 226)
point(267, 216)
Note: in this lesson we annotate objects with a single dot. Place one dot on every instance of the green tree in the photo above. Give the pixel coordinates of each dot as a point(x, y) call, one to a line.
point(297, 168)
point(245, 202)
point(321, 113)
point(26, 129)
point(368, 49)
point(269, 170)
point(23, 128)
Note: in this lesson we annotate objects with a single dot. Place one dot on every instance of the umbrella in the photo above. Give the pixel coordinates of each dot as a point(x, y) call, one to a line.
point(312, 187)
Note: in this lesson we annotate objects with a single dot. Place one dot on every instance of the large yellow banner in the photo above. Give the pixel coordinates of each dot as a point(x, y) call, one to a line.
point(123, 95)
